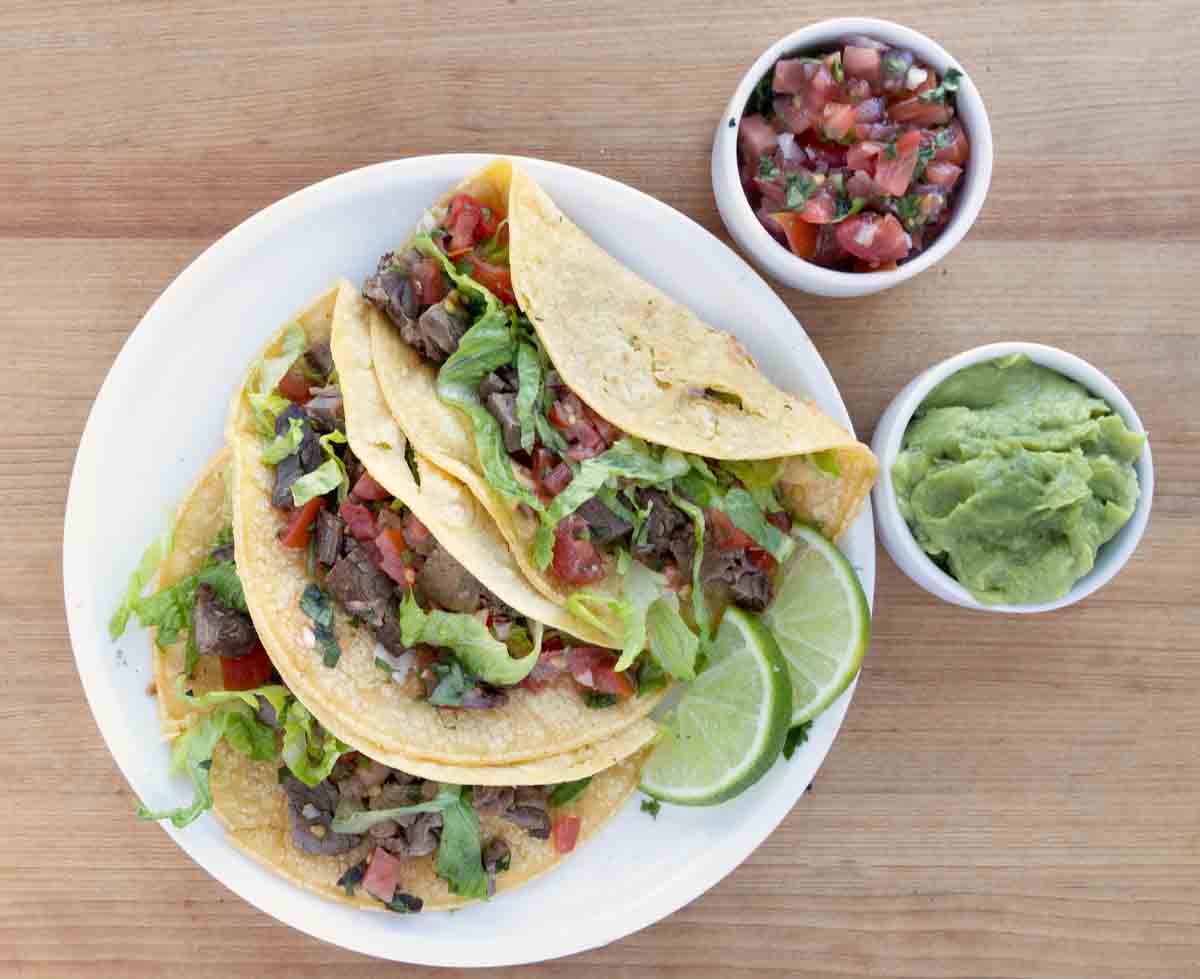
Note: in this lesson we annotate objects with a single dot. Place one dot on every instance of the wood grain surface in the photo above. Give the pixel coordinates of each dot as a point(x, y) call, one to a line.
point(1009, 797)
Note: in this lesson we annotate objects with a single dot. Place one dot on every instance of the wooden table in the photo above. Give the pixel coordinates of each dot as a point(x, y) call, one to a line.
point(1009, 797)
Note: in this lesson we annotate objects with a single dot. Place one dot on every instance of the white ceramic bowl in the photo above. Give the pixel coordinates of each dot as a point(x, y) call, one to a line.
point(889, 434)
point(773, 257)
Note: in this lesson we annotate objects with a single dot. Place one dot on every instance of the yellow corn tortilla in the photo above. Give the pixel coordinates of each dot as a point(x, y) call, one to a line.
point(251, 806)
point(358, 701)
point(636, 357)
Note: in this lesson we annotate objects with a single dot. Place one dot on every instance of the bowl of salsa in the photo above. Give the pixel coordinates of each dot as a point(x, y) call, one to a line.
point(854, 154)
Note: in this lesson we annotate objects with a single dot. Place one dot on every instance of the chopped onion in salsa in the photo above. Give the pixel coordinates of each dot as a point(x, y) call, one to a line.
point(851, 159)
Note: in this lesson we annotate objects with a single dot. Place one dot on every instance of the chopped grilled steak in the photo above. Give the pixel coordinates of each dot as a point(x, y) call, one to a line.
point(493, 798)
point(416, 835)
point(320, 358)
point(503, 380)
point(307, 458)
point(218, 629)
point(391, 290)
point(503, 407)
point(530, 811)
point(605, 525)
point(330, 530)
point(437, 332)
point(496, 855)
point(325, 409)
point(362, 589)
point(669, 534)
point(749, 586)
point(388, 633)
point(447, 584)
point(310, 813)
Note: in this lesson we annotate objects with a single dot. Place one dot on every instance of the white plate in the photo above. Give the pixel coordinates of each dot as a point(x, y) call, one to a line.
point(159, 416)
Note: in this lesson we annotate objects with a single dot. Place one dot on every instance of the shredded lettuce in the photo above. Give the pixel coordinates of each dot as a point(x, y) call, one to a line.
point(169, 610)
point(529, 390)
point(282, 446)
point(328, 476)
point(147, 567)
point(699, 604)
point(672, 643)
point(460, 854)
point(566, 792)
point(265, 401)
point(309, 757)
point(759, 477)
point(192, 753)
point(748, 516)
point(469, 639)
point(277, 695)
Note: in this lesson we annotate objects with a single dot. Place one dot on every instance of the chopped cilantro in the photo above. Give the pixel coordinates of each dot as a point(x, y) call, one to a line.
point(454, 683)
point(652, 806)
point(837, 70)
point(766, 168)
point(948, 87)
point(763, 97)
point(404, 903)
point(318, 606)
point(908, 210)
point(890, 149)
point(350, 880)
point(795, 737)
point(846, 207)
point(799, 189)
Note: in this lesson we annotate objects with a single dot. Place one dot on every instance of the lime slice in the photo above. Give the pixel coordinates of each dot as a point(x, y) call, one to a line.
point(729, 726)
point(821, 621)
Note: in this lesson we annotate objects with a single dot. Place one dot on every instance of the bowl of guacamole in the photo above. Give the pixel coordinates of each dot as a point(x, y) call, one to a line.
point(1015, 477)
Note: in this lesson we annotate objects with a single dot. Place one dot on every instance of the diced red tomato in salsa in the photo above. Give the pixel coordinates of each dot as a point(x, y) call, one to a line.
point(566, 832)
point(592, 667)
point(359, 521)
point(728, 537)
point(367, 488)
point(391, 548)
point(495, 278)
point(576, 559)
point(295, 387)
point(246, 672)
point(299, 526)
point(871, 126)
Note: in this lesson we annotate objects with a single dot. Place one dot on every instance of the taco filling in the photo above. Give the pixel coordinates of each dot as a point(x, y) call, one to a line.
point(375, 819)
point(688, 535)
point(441, 633)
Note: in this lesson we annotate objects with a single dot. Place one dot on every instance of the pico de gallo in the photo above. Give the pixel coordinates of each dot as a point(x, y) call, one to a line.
point(687, 535)
point(851, 159)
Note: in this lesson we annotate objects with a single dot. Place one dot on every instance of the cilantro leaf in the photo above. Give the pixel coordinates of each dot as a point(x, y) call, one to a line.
point(566, 792)
point(795, 737)
point(350, 880)
point(948, 87)
point(147, 567)
point(799, 189)
point(318, 606)
point(652, 806)
point(454, 683)
point(767, 168)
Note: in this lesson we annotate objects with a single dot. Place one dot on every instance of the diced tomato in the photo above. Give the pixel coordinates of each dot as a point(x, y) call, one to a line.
point(801, 234)
point(576, 559)
point(544, 462)
point(557, 479)
point(246, 672)
point(299, 527)
point(837, 119)
point(416, 534)
point(861, 156)
point(367, 488)
point(427, 281)
point(592, 667)
point(958, 151)
point(391, 548)
point(820, 208)
point(821, 88)
point(566, 832)
point(495, 278)
point(729, 537)
point(791, 76)
point(832, 155)
point(867, 237)
point(794, 116)
point(568, 416)
point(761, 559)
point(756, 137)
point(893, 175)
point(942, 174)
point(295, 387)
point(780, 519)
point(606, 429)
point(468, 222)
point(551, 664)
point(861, 63)
point(383, 875)
point(359, 521)
point(920, 113)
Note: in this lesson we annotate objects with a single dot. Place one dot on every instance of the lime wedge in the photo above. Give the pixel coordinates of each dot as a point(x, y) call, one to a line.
point(729, 726)
point(821, 621)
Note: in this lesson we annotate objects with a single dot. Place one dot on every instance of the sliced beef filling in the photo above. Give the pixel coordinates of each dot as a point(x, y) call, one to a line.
point(307, 458)
point(391, 290)
point(447, 584)
point(223, 553)
point(530, 811)
point(498, 392)
point(330, 531)
point(365, 592)
point(669, 534)
point(748, 586)
point(606, 526)
point(324, 409)
point(437, 332)
point(310, 813)
point(218, 629)
point(320, 358)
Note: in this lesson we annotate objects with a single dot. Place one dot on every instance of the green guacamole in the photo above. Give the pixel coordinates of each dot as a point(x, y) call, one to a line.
point(1011, 476)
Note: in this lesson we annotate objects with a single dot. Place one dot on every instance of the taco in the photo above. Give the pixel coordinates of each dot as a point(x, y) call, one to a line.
point(644, 472)
point(391, 606)
point(292, 795)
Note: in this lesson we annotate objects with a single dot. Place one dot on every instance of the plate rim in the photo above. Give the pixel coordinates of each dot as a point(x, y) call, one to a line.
point(652, 905)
